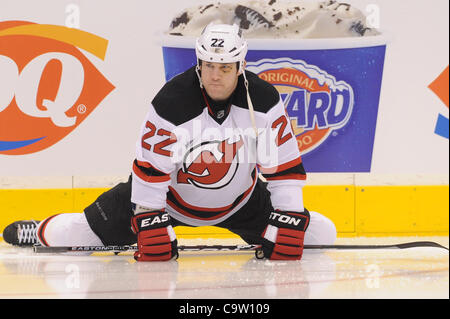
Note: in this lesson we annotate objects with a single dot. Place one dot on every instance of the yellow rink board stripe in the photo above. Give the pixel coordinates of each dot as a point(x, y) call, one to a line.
point(355, 210)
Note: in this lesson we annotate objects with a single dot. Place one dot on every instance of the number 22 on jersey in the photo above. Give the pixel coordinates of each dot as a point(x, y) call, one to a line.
point(158, 148)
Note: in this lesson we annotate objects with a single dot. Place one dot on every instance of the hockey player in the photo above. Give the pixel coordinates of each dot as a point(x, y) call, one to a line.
point(209, 133)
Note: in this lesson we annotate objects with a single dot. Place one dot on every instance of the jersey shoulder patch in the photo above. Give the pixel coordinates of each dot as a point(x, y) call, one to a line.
point(180, 99)
point(264, 96)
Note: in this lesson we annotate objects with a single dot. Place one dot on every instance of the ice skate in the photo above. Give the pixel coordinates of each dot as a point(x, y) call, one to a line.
point(21, 233)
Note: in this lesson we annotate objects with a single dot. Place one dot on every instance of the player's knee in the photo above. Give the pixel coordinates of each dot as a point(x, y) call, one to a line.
point(330, 232)
point(322, 230)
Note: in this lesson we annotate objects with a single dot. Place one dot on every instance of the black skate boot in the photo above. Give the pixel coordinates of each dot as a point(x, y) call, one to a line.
point(21, 233)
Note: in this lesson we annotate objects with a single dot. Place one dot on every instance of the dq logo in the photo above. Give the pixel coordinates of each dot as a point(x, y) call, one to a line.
point(440, 87)
point(47, 86)
point(316, 102)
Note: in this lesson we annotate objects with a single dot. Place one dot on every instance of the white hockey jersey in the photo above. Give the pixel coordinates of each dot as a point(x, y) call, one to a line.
point(201, 163)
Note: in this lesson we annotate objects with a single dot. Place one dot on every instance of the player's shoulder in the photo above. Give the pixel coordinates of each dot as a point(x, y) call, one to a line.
point(180, 99)
point(264, 96)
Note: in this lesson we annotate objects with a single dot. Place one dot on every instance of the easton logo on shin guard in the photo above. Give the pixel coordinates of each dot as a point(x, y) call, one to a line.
point(145, 222)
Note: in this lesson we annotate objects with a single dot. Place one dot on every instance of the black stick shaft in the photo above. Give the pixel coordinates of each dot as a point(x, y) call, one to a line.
point(44, 249)
point(54, 249)
point(414, 244)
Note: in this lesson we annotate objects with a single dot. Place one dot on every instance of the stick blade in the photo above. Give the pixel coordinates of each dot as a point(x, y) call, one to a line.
point(421, 244)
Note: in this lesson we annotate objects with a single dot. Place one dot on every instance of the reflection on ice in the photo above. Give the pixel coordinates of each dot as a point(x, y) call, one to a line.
point(406, 273)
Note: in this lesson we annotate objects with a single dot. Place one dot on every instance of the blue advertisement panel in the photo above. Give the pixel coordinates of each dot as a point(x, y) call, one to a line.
point(331, 97)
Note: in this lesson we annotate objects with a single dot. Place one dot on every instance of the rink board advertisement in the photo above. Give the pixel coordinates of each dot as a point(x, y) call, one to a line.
point(75, 86)
point(331, 97)
point(51, 87)
point(77, 79)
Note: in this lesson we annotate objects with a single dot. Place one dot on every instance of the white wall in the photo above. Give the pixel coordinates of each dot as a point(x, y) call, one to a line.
point(99, 152)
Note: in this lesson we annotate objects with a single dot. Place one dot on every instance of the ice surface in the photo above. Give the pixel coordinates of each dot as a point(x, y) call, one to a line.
point(394, 273)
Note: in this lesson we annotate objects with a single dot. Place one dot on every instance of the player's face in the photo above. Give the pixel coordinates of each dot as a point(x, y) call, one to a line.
point(219, 79)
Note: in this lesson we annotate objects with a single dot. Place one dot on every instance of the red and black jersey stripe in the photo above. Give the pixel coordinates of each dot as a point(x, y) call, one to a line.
point(148, 173)
point(290, 170)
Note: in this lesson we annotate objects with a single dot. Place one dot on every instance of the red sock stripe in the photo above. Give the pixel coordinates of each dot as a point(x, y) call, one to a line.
point(41, 230)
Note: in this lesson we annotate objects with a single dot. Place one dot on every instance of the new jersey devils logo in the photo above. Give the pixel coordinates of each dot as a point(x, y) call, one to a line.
point(211, 164)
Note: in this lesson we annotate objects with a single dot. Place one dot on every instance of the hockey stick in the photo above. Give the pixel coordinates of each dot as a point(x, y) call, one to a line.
point(414, 244)
point(45, 249)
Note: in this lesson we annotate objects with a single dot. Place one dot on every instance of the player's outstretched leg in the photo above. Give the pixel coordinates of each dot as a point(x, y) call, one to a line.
point(21, 233)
